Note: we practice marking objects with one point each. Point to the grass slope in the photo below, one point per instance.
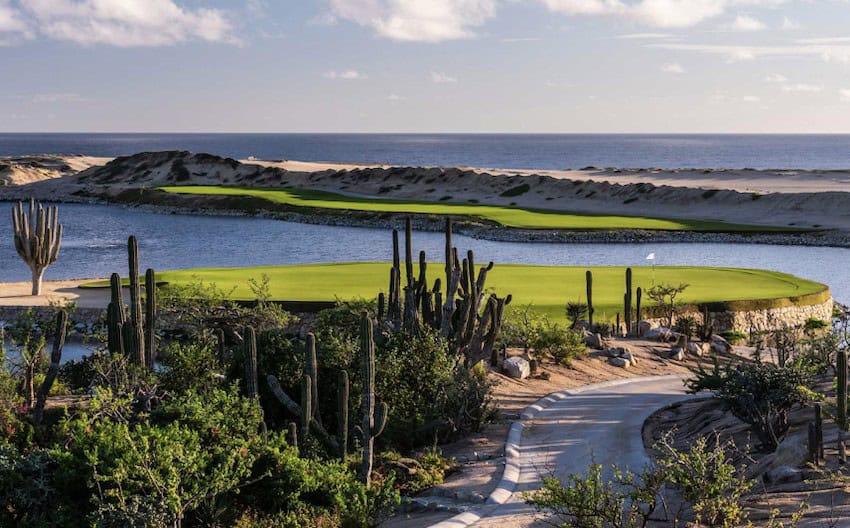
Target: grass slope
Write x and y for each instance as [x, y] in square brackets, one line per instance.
[548, 288]
[506, 216]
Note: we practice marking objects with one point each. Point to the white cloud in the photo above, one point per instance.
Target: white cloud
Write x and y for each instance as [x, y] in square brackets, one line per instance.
[751, 99]
[123, 23]
[346, 75]
[12, 24]
[395, 97]
[659, 13]
[845, 94]
[417, 20]
[58, 98]
[442, 78]
[789, 24]
[737, 53]
[802, 87]
[673, 67]
[747, 23]
[775, 78]
[641, 36]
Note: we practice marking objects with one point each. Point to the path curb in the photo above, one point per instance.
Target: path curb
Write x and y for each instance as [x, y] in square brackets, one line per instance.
[510, 475]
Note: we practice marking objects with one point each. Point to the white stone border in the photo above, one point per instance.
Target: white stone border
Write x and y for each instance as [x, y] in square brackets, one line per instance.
[511, 473]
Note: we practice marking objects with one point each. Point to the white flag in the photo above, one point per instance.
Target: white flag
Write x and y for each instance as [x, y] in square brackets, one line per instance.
[651, 256]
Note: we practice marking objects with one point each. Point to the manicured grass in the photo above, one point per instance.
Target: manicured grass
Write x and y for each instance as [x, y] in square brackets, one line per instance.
[506, 216]
[548, 288]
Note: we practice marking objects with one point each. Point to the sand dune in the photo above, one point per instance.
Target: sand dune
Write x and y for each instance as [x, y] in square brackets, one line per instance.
[787, 198]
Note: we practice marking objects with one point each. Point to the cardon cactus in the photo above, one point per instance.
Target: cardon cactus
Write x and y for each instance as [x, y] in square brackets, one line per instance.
[38, 237]
[627, 301]
[249, 342]
[134, 340]
[150, 317]
[116, 317]
[342, 413]
[311, 368]
[638, 295]
[841, 403]
[372, 425]
[306, 406]
[588, 279]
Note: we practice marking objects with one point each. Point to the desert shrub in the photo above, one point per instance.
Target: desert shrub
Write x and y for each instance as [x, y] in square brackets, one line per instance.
[417, 473]
[762, 395]
[665, 296]
[430, 394]
[813, 324]
[190, 367]
[560, 344]
[576, 311]
[520, 325]
[589, 501]
[734, 336]
[710, 380]
[707, 479]
[686, 325]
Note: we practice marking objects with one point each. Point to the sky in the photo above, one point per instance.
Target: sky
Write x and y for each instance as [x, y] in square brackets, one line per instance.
[585, 66]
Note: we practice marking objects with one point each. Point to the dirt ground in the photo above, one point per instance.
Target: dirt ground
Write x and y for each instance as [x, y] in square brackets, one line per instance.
[19, 294]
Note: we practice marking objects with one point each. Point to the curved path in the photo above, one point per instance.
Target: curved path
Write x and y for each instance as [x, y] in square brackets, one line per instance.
[563, 433]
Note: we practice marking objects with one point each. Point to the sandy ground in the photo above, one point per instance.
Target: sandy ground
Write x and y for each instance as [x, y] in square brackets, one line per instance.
[18, 294]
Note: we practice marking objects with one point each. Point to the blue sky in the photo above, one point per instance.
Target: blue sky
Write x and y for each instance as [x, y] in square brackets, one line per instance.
[425, 65]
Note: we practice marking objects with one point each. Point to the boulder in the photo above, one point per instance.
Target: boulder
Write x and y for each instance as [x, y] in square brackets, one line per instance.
[645, 326]
[698, 349]
[783, 475]
[516, 367]
[594, 341]
[619, 362]
[677, 354]
[630, 357]
[661, 334]
[720, 345]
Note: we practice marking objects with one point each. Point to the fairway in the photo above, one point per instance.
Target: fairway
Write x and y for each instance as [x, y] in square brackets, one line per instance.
[506, 216]
[547, 288]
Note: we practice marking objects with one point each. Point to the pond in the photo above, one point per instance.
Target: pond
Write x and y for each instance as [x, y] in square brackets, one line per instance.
[94, 245]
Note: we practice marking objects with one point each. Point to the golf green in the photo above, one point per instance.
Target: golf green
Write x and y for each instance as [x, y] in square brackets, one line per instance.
[546, 288]
[506, 216]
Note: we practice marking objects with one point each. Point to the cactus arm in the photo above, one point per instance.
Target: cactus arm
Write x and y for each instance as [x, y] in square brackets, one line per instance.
[53, 370]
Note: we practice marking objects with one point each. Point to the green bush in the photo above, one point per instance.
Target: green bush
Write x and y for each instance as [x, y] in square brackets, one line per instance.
[560, 344]
[813, 324]
[734, 336]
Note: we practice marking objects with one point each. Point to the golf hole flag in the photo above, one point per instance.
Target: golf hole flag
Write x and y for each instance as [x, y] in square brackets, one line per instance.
[651, 256]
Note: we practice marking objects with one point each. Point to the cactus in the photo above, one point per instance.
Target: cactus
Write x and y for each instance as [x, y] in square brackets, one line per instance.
[638, 295]
[150, 317]
[311, 369]
[588, 279]
[222, 346]
[306, 405]
[55, 359]
[292, 434]
[38, 236]
[342, 413]
[116, 317]
[841, 403]
[627, 304]
[134, 329]
[249, 340]
[408, 250]
[371, 426]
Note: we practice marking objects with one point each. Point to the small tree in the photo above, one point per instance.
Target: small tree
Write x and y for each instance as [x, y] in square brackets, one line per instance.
[664, 295]
[38, 236]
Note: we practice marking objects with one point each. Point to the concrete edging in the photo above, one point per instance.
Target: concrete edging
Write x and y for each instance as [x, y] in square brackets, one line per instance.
[511, 473]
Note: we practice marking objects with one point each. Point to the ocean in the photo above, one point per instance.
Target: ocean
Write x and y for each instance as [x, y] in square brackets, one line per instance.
[507, 151]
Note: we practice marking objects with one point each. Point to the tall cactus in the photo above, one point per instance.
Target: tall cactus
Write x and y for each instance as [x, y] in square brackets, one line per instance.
[55, 358]
[311, 369]
[841, 402]
[150, 316]
[116, 317]
[588, 279]
[38, 236]
[408, 250]
[627, 301]
[371, 426]
[249, 340]
[342, 413]
[638, 295]
[306, 406]
[134, 339]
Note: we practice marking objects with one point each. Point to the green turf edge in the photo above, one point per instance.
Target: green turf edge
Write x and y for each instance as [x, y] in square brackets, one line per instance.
[740, 305]
[689, 225]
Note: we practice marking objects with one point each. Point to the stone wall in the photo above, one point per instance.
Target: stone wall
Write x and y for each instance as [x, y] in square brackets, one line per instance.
[768, 319]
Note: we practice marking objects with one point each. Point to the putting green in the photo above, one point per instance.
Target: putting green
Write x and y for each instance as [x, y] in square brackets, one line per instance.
[506, 216]
[547, 288]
